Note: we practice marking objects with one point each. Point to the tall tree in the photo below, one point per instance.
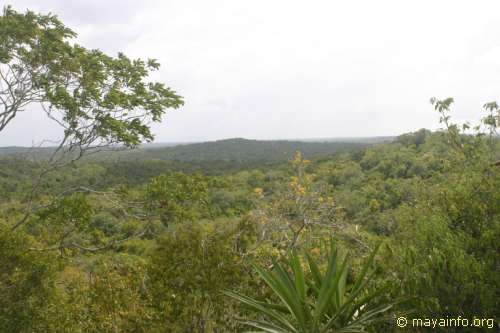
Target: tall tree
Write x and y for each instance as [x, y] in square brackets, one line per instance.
[96, 98]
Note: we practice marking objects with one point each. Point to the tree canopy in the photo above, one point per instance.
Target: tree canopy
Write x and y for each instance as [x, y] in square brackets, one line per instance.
[344, 240]
[98, 99]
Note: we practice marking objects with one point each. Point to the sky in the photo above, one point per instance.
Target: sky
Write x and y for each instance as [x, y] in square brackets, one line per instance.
[283, 69]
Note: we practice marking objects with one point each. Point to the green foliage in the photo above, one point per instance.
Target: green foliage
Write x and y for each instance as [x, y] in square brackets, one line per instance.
[241, 152]
[178, 197]
[434, 205]
[27, 284]
[437, 272]
[145, 241]
[109, 295]
[96, 98]
[188, 270]
[312, 301]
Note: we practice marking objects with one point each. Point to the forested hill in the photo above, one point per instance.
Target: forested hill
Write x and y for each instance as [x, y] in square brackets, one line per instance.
[230, 150]
[239, 150]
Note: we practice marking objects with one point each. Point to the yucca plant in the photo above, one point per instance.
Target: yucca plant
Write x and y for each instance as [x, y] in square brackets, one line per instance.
[312, 302]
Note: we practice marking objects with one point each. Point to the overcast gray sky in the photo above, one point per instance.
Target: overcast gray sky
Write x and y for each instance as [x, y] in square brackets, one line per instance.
[293, 69]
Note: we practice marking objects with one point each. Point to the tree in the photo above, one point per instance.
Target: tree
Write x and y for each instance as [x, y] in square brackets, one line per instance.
[301, 209]
[26, 283]
[177, 197]
[187, 271]
[96, 98]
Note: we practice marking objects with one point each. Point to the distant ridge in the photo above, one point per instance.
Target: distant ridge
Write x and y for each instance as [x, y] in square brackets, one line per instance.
[238, 150]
